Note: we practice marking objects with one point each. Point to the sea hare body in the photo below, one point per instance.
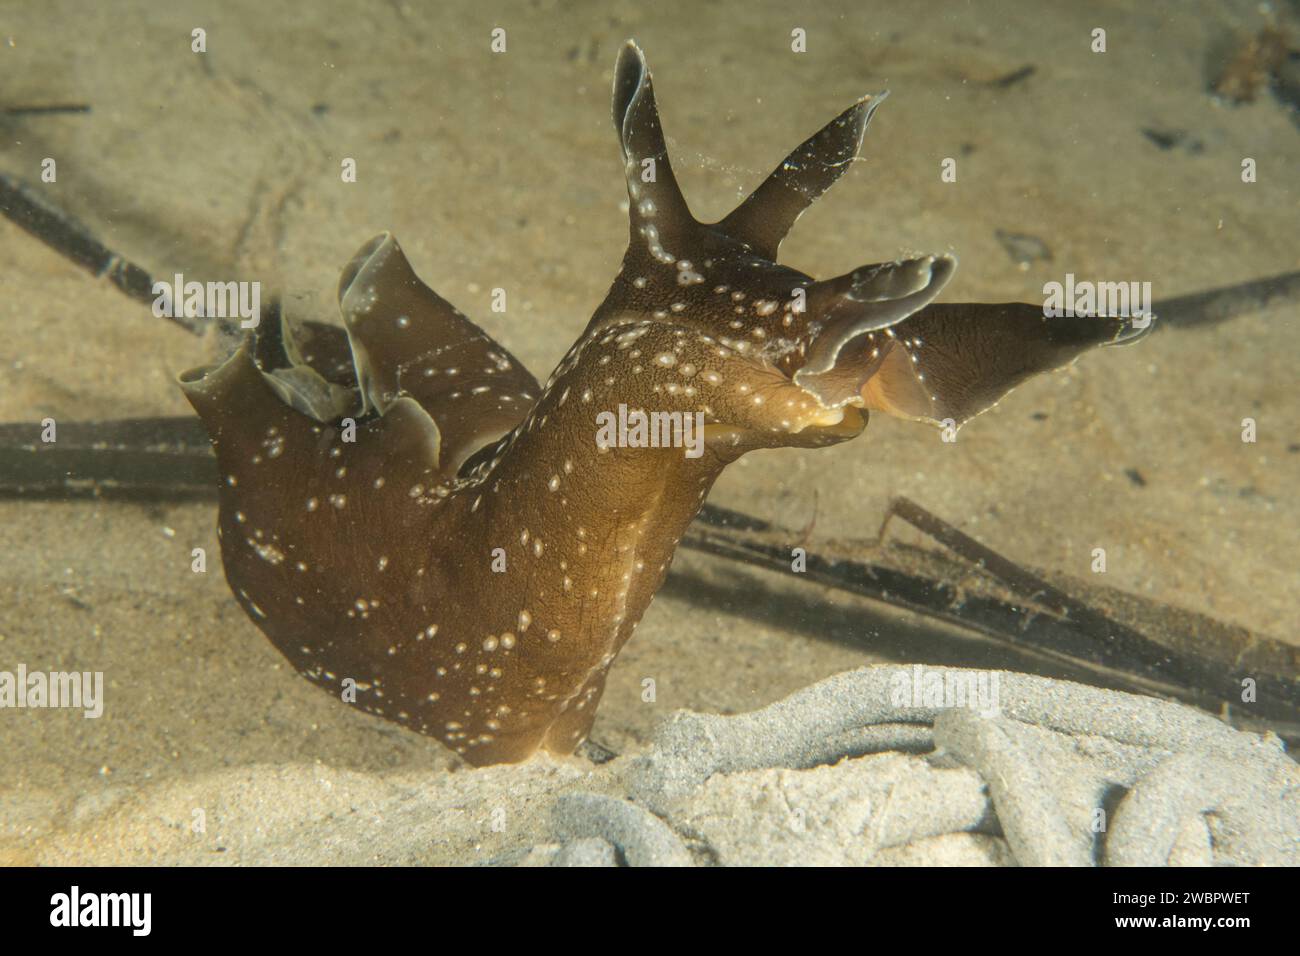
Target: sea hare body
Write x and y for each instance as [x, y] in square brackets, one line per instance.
[421, 528]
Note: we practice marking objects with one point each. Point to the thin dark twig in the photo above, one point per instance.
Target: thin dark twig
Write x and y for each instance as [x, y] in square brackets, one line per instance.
[1045, 620]
[1114, 640]
[27, 208]
[47, 110]
[1227, 302]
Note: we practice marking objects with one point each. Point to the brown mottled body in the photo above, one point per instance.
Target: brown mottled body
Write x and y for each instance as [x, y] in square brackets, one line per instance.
[431, 530]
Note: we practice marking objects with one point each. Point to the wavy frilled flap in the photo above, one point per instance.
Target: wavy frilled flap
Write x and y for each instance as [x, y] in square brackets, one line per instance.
[321, 345]
[254, 420]
[762, 221]
[309, 369]
[849, 318]
[949, 362]
[407, 340]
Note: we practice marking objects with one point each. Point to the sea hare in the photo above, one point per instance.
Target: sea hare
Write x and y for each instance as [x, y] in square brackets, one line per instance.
[423, 530]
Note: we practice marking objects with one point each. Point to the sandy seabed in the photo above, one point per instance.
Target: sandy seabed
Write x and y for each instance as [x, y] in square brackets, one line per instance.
[503, 171]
